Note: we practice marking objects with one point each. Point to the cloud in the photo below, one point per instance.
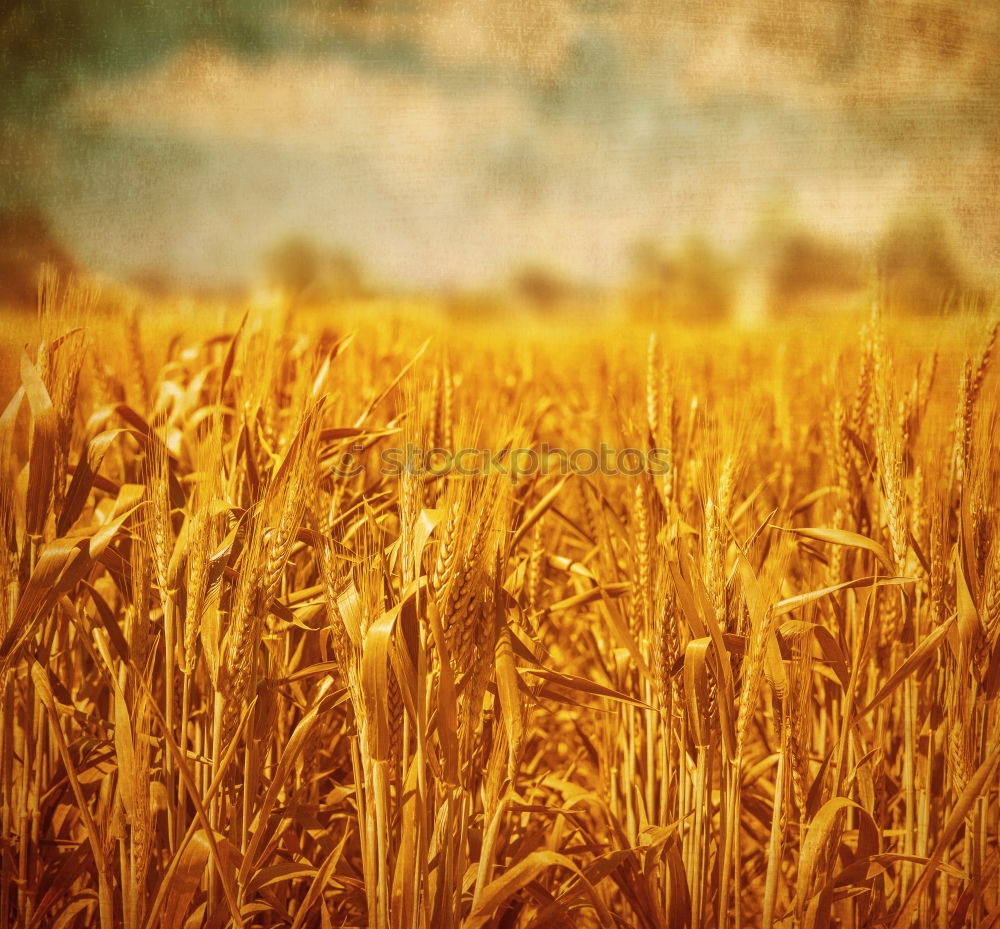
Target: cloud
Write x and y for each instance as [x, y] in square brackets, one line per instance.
[446, 143]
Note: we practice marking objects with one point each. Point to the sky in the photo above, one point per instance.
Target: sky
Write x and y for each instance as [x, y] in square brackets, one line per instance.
[446, 143]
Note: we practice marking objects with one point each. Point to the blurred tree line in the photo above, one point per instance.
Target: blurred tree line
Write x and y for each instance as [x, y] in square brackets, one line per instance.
[787, 270]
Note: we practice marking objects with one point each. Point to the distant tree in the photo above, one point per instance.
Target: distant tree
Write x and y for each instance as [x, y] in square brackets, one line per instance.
[310, 272]
[26, 243]
[920, 266]
[809, 272]
[540, 288]
[293, 265]
[692, 282]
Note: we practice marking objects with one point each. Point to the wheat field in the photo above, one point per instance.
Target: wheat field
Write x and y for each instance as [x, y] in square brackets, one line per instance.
[246, 685]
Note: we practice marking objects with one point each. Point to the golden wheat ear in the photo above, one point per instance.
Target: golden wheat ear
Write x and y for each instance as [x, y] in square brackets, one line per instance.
[238, 687]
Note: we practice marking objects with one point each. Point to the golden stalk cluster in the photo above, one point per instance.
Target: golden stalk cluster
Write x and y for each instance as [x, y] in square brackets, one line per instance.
[241, 688]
